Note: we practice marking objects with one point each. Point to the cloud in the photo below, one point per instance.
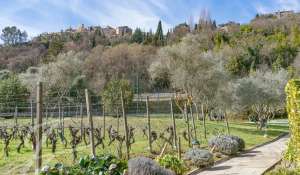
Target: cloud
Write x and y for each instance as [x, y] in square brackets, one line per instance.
[289, 4]
[53, 15]
[277, 5]
[30, 30]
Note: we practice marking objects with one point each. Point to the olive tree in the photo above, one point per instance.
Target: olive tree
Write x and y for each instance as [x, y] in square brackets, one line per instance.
[111, 94]
[192, 69]
[262, 93]
[12, 93]
[65, 76]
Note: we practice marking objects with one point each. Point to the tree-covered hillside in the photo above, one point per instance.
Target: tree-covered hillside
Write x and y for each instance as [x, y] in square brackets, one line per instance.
[230, 67]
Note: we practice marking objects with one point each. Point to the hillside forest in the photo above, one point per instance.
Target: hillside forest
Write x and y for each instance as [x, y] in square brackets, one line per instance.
[236, 68]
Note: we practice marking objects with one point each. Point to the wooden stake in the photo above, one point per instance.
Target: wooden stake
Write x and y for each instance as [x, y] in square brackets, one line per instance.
[59, 116]
[203, 120]
[63, 120]
[197, 111]
[31, 114]
[88, 111]
[227, 123]
[193, 122]
[118, 120]
[104, 121]
[16, 116]
[174, 124]
[81, 120]
[46, 116]
[188, 124]
[149, 124]
[125, 126]
[179, 148]
[38, 129]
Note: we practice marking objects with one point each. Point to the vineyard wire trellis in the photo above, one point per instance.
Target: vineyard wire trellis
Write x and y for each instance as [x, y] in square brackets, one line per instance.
[71, 107]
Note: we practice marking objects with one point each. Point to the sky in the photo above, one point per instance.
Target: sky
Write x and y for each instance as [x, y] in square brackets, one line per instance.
[38, 16]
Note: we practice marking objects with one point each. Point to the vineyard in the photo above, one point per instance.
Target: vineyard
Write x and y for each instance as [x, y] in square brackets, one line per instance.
[84, 126]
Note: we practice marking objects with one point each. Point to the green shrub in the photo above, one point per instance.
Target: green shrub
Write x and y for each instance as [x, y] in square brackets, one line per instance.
[224, 144]
[146, 166]
[240, 141]
[199, 157]
[103, 164]
[283, 171]
[292, 90]
[173, 163]
[111, 94]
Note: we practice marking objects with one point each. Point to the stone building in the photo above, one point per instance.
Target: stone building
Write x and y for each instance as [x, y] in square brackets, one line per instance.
[109, 31]
[123, 30]
[281, 14]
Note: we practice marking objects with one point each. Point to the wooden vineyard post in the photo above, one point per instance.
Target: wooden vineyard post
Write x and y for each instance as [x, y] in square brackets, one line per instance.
[118, 119]
[203, 120]
[88, 111]
[76, 112]
[174, 124]
[63, 120]
[125, 126]
[59, 116]
[69, 111]
[197, 111]
[104, 120]
[81, 120]
[149, 124]
[179, 148]
[31, 114]
[16, 116]
[193, 121]
[188, 124]
[38, 128]
[46, 116]
[227, 123]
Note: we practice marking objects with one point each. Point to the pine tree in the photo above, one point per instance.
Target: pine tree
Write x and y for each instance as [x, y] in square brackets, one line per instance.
[137, 36]
[159, 36]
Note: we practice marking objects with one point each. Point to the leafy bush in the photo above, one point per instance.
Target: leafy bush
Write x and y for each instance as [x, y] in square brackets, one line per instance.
[12, 93]
[173, 163]
[103, 164]
[283, 171]
[224, 144]
[146, 166]
[199, 157]
[111, 94]
[293, 96]
[240, 141]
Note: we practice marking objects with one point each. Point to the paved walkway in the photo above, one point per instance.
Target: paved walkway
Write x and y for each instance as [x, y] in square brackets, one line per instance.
[255, 162]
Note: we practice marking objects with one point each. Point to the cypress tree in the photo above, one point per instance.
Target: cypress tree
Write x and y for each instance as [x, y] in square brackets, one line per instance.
[148, 38]
[159, 35]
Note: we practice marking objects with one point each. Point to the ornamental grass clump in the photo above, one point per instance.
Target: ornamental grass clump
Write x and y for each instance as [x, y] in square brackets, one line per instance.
[224, 144]
[146, 166]
[240, 141]
[199, 157]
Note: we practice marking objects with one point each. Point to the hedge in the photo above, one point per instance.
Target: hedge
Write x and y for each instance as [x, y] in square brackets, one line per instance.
[293, 108]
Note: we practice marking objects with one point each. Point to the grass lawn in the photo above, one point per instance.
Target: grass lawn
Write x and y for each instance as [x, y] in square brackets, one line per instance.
[23, 163]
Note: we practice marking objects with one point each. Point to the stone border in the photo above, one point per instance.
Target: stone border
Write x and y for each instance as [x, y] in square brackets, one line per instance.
[196, 171]
[271, 167]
